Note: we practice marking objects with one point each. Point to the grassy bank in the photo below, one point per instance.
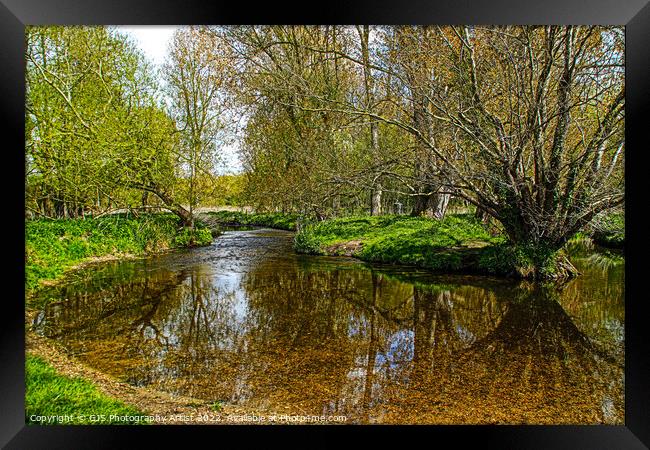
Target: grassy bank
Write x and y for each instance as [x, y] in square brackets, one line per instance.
[70, 401]
[280, 221]
[53, 246]
[453, 244]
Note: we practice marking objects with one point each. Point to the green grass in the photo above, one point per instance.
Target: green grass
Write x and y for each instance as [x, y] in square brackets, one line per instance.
[70, 401]
[429, 243]
[270, 220]
[52, 246]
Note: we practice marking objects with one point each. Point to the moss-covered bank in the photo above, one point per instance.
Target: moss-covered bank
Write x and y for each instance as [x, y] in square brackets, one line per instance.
[452, 244]
[458, 243]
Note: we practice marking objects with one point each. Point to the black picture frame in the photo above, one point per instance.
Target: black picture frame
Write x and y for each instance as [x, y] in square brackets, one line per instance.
[16, 14]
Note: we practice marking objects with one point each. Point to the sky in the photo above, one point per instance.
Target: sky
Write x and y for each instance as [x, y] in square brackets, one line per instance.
[153, 40]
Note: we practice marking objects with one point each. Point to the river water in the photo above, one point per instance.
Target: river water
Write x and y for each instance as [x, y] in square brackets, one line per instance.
[248, 322]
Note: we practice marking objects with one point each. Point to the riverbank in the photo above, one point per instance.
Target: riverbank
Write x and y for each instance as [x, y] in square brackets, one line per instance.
[279, 221]
[55, 399]
[58, 385]
[55, 247]
[458, 243]
[610, 232]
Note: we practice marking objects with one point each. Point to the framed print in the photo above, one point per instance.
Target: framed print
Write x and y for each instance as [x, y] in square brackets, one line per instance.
[366, 217]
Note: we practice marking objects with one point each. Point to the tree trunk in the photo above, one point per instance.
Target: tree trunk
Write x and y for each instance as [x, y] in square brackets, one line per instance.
[537, 257]
[336, 204]
[431, 205]
[375, 204]
[145, 198]
[369, 84]
[186, 216]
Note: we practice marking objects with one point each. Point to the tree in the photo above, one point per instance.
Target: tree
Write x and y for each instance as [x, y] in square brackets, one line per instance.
[540, 112]
[370, 105]
[534, 119]
[96, 134]
[196, 75]
[416, 63]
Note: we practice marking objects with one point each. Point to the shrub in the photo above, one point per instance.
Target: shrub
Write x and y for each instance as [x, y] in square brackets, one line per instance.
[307, 242]
[196, 237]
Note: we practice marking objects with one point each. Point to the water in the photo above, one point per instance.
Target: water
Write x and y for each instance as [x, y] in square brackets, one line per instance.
[247, 322]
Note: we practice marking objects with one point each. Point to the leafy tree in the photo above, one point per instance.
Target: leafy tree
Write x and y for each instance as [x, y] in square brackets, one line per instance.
[196, 74]
[96, 132]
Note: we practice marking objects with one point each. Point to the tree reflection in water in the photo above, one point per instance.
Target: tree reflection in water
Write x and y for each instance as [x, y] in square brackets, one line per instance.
[297, 335]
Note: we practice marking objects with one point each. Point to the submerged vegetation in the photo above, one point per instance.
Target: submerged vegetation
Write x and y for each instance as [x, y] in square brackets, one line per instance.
[70, 401]
[52, 246]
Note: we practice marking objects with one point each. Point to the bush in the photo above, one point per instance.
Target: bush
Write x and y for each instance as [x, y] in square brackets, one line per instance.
[307, 242]
[196, 237]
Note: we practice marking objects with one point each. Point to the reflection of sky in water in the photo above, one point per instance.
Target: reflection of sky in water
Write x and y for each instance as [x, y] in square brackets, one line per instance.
[230, 284]
[464, 334]
[356, 327]
[400, 349]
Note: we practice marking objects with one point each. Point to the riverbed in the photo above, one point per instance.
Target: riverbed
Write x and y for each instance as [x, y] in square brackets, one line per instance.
[247, 322]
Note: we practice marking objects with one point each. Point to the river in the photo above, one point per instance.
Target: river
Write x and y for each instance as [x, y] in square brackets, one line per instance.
[248, 322]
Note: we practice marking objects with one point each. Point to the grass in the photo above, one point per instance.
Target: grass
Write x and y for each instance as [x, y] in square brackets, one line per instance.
[68, 401]
[280, 221]
[53, 246]
[438, 245]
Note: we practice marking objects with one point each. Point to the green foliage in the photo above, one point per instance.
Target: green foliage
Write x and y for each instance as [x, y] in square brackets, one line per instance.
[579, 244]
[525, 261]
[308, 241]
[196, 237]
[610, 231]
[96, 132]
[438, 245]
[228, 190]
[52, 246]
[50, 394]
[271, 220]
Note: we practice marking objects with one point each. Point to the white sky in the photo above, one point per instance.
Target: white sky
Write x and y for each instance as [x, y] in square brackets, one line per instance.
[154, 40]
